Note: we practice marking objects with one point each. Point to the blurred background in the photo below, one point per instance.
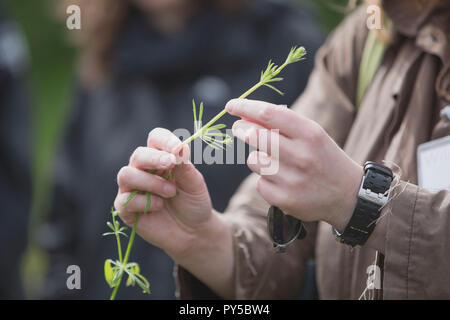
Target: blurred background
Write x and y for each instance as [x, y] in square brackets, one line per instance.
[49, 83]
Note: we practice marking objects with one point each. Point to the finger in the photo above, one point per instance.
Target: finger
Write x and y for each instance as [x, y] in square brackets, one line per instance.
[269, 116]
[272, 169]
[189, 179]
[163, 139]
[268, 141]
[273, 193]
[137, 204]
[260, 163]
[150, 159]
[130, 178]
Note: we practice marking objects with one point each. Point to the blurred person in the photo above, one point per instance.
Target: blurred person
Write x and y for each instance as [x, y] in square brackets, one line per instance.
[15, 184]
[374, 233]
[141, 63]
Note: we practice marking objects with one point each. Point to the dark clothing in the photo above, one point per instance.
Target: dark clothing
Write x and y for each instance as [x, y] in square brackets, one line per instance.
[216, 58]
[15, 185]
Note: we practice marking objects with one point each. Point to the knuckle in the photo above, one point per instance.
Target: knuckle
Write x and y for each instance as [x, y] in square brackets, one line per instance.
[117, 204]
[157, 203]
[154, 133]
[120, 200]
[315, 135]
[266, 114]
[294, 181]
[136, 155]
[305, 163]
[123, 175]
[126, 217]
[301, 159]
[285, 201]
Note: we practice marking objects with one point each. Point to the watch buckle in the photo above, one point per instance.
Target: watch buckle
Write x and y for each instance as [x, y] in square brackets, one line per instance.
[379, 199]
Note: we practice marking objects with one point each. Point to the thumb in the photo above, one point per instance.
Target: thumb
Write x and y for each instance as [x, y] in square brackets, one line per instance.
[187, 177]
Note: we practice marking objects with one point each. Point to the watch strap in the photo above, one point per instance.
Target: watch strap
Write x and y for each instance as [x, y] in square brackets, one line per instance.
[377, 180]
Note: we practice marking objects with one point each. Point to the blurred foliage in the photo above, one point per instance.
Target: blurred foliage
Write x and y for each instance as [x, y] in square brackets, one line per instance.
[49, 83]
[50, 79]
[329, 12]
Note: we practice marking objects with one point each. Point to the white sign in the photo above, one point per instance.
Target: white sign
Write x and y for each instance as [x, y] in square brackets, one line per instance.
[433, 162]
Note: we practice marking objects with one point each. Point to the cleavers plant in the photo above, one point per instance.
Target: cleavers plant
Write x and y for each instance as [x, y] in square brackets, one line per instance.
[115, 270]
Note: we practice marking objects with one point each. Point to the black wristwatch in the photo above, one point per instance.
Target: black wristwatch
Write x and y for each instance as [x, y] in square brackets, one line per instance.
[372, 196]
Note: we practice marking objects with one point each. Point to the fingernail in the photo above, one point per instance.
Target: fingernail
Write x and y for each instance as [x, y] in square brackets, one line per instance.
[166, 160]
[229, 106]
[173, 144]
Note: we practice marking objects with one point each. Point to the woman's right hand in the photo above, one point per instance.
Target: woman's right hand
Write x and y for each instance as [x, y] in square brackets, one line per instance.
[180, 208]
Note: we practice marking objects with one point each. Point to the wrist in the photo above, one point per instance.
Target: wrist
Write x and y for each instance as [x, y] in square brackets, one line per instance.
[372, 196]
[209, 238]
[210, 258]
[345, 208]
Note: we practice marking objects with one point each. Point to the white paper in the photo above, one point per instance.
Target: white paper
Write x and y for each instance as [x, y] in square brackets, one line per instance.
[433, 159]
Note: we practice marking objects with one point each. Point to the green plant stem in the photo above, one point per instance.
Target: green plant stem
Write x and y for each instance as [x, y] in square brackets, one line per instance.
[119, 247]
[127, 255]
[224, 111]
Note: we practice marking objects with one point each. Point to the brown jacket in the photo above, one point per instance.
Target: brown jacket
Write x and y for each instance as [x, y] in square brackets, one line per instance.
[400, 111]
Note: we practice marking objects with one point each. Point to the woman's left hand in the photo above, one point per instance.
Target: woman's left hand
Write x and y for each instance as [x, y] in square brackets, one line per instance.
[303, 171]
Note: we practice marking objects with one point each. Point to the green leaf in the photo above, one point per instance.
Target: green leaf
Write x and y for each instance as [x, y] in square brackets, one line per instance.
[133, 268]
[200, 113]
[121, 233]
[275, 80]
[217, 127]
[111, 226]
[195, 115]
[143, 283]
[215, 134]
[114, 213]
[131, 281]
[273, 88]
[130, 197]
[295, 55]
[214, 145]
[117, 276]
[109, 274]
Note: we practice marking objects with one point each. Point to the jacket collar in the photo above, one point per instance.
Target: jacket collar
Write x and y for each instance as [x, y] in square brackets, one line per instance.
[428, 24]
[407, 17]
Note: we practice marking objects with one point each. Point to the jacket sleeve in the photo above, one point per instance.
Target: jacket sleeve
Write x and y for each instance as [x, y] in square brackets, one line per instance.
[329, 100]
[417, 260]
[259, 272]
